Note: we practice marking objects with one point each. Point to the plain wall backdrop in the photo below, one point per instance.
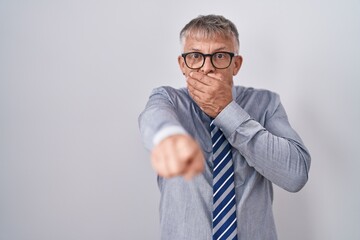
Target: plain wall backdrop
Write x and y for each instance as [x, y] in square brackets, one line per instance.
[75, 75]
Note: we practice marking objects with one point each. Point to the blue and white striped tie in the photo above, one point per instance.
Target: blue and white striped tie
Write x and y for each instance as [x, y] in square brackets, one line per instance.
[224, 204]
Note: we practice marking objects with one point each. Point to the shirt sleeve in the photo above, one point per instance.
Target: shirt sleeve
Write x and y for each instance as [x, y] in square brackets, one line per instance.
[167, 132]
[159, 119]
[275, 150]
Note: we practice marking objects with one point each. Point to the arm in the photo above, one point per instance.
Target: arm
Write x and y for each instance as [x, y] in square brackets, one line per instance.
[275, 150]
[173, 151]
[159, 114]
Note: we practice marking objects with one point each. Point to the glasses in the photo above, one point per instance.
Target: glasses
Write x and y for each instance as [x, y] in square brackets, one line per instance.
[196, 60]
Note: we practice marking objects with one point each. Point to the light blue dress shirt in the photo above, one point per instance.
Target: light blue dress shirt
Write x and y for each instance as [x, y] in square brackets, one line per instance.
[265, 150]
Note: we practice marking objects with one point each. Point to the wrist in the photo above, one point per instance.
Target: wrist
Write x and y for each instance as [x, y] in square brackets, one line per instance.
[167, 132]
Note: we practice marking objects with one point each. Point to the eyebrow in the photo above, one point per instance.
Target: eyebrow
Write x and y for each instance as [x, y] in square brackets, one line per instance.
[216, 50]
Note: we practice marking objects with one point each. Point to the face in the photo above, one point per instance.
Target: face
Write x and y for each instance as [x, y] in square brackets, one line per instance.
[209, 46]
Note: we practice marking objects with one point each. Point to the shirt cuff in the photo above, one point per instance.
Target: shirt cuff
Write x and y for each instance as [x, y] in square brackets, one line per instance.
[167, 132]
[230, 118]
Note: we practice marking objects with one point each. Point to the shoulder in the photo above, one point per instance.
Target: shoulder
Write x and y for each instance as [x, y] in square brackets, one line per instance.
[256, 96]
[170, 92]
[259, 103]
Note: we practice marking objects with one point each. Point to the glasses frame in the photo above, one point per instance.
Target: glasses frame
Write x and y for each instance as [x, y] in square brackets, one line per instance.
[232, 55]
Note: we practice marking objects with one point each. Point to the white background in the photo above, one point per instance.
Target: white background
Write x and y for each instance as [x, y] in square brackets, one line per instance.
[75, 75]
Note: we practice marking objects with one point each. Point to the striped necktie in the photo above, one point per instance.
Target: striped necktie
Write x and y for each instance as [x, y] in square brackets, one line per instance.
[224, 204]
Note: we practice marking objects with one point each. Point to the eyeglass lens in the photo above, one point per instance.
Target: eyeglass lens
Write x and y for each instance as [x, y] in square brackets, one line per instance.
[219, 60]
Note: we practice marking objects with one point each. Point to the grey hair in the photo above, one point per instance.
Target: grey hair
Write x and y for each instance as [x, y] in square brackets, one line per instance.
[210, 26]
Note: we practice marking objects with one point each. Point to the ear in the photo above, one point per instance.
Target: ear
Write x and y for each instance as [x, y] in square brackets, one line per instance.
[237, 64]
[182, 64]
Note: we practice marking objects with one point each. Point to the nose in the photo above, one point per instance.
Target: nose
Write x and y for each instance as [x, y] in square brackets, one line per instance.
[208, 66]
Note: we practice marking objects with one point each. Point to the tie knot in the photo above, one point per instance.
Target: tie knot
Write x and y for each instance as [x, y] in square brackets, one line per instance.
[211, 119]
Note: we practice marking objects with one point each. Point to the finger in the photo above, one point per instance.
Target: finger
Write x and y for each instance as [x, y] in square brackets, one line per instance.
[200, 92]
[197, 97]
[189, 172]
[175, 166]
[201, 97]
[200, 77]
[195, 93]
[214, 76]
[195, 167]
[200, 164]
[207, 79]
[197, 164]
[158, 163]
[197, 75]
[196, 83]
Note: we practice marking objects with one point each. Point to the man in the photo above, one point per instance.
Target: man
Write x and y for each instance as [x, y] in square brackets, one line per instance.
[217, 148]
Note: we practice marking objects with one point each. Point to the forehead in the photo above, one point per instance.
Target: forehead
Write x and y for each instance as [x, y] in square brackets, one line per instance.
[209, 43]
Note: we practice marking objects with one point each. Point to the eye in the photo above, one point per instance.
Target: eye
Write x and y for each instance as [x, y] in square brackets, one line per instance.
[194, 55]
[219, 55]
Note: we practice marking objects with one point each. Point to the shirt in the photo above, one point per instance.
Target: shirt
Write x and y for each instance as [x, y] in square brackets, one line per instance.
[265, 150]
